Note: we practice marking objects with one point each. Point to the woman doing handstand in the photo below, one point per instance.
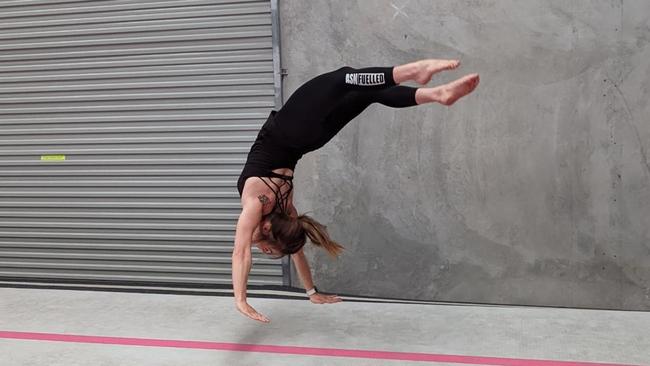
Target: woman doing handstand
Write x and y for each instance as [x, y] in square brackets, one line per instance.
[311, 117]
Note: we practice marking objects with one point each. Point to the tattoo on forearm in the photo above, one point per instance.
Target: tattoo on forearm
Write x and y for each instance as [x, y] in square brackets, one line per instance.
[265, 200]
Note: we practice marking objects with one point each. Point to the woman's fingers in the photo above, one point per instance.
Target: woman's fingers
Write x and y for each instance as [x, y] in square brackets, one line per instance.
[257, 316]
[250, 312]
[324, 299]
[334, 298]
[262, 318]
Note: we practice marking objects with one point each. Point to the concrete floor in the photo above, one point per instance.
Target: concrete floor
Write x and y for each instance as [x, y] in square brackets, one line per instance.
[513, 335]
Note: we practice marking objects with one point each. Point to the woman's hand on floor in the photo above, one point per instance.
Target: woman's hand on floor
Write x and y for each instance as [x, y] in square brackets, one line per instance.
[248, 310]
[319, 298]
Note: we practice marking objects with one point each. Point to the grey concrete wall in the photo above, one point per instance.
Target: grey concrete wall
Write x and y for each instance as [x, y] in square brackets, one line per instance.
[533, 190]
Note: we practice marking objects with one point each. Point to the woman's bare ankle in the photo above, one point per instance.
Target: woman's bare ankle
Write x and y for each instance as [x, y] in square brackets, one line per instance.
[405, 72]
[430, 95]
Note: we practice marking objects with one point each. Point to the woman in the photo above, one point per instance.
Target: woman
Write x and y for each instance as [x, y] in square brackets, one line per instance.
[314, 114]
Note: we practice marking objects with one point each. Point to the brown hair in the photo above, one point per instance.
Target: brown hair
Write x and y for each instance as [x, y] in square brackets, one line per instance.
[291, 233]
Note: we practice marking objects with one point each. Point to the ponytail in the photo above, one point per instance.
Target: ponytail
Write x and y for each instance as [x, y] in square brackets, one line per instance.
[318, 235]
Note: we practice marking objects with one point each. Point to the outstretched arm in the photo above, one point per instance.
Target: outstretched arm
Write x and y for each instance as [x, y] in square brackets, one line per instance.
[304, 272]
[302, 267]
[242, 257]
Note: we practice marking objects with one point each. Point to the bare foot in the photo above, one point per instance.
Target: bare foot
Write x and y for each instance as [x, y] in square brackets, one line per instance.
[449, 93]
[426, 68]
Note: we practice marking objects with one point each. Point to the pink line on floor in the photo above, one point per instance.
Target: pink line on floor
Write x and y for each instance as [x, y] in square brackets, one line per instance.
[293, 350]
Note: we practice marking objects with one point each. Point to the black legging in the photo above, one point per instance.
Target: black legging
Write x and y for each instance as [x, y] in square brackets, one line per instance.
[321, 107]
[315, 113]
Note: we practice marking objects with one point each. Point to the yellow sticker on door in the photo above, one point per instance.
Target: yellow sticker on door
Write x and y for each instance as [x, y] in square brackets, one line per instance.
[52, 157]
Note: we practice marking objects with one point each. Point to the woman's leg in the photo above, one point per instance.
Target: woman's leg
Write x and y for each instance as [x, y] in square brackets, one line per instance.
[356, 102]
[397, 97]
[320, 94]
[318, 109]
[303, 118]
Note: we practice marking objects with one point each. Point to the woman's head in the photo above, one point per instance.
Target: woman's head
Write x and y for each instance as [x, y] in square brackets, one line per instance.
[285, 235]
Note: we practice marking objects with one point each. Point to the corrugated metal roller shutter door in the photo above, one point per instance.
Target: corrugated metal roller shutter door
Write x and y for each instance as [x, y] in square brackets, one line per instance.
[154, 105]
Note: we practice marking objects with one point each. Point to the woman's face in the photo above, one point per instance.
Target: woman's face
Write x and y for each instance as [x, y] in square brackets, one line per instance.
[268, 248]
[265, 241]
